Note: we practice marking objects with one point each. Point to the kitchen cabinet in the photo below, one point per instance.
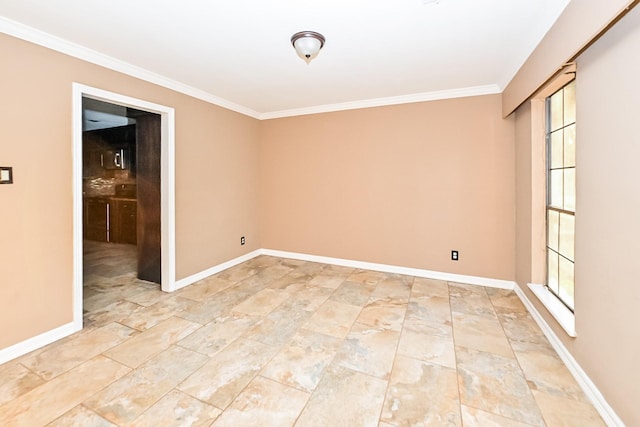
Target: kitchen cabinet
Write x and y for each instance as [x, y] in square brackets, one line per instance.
[110, 219]
[109, 149]
[123, 220]
[95, 219]
[91, 155]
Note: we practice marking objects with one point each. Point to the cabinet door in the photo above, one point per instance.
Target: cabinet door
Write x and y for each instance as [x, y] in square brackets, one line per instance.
[91, 155]
[96, 220]
[124, 222]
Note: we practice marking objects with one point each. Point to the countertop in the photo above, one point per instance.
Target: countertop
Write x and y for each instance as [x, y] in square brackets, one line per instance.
[124, 199]
[118, 198]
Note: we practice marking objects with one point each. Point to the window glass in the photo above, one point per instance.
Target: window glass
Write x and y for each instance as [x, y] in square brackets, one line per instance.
[553, 270]
[569, 151]
[561, 193]
[556, 111]
[557, 149]
[553, 232]
[569, 189]
[569, 104]
[556, 187]
[566, 281]
[566, 234]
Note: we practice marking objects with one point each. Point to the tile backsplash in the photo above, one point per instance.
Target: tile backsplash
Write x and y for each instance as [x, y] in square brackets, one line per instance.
[105, 185]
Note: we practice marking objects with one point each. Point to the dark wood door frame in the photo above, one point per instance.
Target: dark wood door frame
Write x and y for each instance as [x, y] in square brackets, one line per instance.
[148, 177]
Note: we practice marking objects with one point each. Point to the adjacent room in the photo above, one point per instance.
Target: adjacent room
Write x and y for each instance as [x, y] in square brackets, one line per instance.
[365, 213]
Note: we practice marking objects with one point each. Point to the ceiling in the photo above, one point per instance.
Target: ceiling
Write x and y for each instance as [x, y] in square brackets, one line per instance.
[102, 115]
[237, 53]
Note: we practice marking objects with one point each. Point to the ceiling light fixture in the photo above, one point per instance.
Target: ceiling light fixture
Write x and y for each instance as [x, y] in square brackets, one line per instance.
[307, 44]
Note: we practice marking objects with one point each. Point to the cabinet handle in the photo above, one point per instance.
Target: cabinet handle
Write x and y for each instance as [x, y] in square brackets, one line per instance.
[108, 221]
[116, 160]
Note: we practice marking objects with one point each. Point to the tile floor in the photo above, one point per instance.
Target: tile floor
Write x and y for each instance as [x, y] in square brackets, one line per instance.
[279, 342]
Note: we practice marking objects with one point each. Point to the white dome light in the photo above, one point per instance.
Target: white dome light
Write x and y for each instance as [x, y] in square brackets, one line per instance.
[307, 44]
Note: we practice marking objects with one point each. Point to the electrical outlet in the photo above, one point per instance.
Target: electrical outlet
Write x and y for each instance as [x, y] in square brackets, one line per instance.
[242, 240]
[454, 255]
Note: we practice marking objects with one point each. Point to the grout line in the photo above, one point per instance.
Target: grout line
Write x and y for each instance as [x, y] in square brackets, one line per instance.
[395, 355]
[515, 357]
[455, 351]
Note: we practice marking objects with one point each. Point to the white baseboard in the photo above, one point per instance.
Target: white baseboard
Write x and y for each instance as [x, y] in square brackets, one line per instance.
[449, 277]
[34, 343]
[597, 399]
[216, 269]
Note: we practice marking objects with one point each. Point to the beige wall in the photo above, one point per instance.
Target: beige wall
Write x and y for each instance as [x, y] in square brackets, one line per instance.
[400, 185]
[216, 189]
[607, 245]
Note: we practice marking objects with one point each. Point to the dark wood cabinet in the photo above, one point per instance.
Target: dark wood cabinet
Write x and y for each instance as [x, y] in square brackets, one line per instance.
[96, 219]
[123, 221]
[92, 146]
[110, 220]
[109, 149]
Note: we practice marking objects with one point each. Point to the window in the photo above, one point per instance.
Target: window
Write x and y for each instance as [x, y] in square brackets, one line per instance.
[561, 192]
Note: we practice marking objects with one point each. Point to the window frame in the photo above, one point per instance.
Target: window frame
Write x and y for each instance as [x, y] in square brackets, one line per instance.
[539, 259]
[549, 206]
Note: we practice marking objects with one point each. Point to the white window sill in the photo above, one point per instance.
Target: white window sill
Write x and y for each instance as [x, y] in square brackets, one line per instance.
[558, 310]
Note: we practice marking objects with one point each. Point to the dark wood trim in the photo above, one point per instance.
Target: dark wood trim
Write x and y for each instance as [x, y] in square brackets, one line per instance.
[148, 147]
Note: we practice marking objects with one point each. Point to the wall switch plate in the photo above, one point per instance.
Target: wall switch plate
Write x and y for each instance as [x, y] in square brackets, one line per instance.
[454, 255]
[242, 241]
[6, 175]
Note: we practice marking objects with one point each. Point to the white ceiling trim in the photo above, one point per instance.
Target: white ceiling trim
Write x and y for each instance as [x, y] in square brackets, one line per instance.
[66, 47]
[47, 40]
[391, 100]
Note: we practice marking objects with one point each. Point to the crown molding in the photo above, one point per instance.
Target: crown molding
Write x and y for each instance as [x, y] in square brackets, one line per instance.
[391, 100]
[41, 38]
[58, 44]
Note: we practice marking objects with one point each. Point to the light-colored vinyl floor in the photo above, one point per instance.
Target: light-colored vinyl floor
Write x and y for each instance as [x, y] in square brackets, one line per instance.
[279, 342]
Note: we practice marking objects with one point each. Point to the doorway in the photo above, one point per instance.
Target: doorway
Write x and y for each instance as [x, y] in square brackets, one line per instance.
[123, 185]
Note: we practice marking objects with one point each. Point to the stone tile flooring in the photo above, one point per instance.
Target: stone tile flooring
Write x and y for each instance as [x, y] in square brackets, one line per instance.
[280, 342]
